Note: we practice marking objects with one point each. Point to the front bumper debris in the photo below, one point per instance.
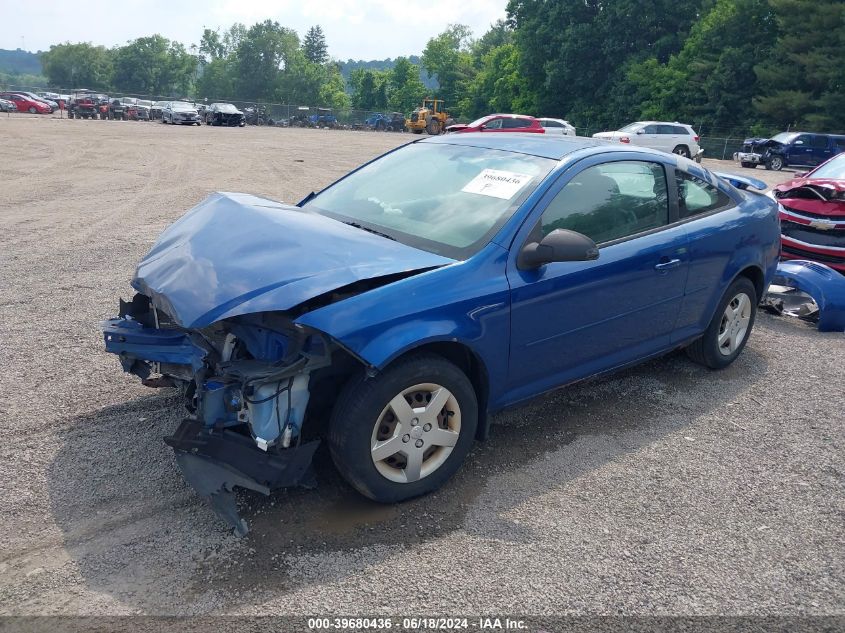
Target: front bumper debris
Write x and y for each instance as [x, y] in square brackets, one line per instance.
[822, 284]
[216, 461]
[748, 157]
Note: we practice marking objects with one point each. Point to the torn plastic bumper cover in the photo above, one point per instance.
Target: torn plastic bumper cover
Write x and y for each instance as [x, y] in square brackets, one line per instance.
[214, 462]
[823, 284]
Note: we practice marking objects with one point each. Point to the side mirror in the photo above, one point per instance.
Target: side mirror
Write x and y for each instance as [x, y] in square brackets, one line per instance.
[561, 245]
[799, 142]
[481, 128]
[800, 174]
[641, 131]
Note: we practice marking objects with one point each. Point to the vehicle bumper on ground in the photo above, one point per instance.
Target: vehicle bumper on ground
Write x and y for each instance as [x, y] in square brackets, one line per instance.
[823, 284]
[748, 157]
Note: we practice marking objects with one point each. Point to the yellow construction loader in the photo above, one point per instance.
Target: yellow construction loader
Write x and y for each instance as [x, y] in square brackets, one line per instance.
[431, 117]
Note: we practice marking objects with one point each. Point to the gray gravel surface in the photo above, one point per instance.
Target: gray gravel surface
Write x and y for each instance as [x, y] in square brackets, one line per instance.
[666, 489]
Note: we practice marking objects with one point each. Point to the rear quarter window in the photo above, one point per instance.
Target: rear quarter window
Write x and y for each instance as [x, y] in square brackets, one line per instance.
[696, 197]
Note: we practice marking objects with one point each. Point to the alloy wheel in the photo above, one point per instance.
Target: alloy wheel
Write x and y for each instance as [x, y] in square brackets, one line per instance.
[415, 433]
[733, 327]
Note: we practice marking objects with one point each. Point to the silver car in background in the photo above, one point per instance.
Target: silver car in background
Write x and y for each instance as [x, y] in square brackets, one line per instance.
[675, 138]
[557, 126]
[181, 113]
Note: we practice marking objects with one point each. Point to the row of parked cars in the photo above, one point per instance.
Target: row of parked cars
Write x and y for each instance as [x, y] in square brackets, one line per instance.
[27, 102]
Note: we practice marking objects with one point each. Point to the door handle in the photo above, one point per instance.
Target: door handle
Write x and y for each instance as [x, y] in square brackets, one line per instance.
[667, 265]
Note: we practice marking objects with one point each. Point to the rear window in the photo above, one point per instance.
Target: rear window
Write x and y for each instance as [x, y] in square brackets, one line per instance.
[696, 197]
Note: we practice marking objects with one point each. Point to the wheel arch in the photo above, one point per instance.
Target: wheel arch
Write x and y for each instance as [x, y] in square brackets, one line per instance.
[755, 275]
[463, 357]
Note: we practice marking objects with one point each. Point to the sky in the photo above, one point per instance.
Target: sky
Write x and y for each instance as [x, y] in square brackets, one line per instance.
[355, 29]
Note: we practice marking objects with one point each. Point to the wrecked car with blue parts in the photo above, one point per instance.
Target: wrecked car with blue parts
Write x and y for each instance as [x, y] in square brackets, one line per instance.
[392, 313]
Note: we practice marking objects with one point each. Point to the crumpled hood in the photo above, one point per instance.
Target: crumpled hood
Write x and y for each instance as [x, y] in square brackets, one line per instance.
[820, 196]
[237, 254]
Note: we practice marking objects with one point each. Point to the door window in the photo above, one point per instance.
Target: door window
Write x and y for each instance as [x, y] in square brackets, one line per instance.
[611, 201]
[550, 124]
[510, 124]
[804, 139]
[495, 124]
[819, 142]
[696, 196]
[650, 129]
[666, 129]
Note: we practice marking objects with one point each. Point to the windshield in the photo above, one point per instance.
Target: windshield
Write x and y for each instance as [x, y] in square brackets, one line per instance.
[784, 137]
[445, 199]
[225, 107]
[180, 106]
[478, 122]
[631, 127]
[833, 169]
[161, 104]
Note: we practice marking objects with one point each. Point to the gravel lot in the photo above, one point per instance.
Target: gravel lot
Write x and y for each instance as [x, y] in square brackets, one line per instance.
[666, 489]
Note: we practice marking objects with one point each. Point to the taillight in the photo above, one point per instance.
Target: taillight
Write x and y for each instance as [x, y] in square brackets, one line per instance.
[624, 139]
[695, 138]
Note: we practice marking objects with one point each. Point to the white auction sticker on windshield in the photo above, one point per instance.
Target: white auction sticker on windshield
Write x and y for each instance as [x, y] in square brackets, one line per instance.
[497, 184]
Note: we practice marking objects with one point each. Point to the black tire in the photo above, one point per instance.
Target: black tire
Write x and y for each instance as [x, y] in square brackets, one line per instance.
[682, 150]
[433, 127]
[749, 165]
[775, 163]
[32, 110]
[417, 131]
[705, 351]
[357, 412]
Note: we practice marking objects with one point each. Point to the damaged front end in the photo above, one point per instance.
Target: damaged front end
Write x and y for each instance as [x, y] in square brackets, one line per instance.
[246, 386]
[761, 151]
[812, 218]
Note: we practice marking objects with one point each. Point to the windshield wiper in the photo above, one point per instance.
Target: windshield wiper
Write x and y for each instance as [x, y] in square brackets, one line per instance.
[369, 230]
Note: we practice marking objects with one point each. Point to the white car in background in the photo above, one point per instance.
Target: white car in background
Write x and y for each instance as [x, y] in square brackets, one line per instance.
[557, 126]
[676, 138]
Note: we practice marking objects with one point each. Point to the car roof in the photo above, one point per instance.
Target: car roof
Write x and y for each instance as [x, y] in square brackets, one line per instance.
[552, 146]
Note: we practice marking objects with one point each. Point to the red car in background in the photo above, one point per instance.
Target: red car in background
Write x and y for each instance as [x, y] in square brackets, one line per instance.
[501, 123]
[812, 215]
[25, 104]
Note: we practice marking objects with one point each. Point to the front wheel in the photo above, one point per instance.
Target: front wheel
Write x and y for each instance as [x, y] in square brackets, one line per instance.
[775, 163]
[730, 328]
[749, 165]
[406, 431]
[32, 110]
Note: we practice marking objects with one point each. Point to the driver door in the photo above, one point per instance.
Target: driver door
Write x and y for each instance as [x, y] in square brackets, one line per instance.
[570, 320]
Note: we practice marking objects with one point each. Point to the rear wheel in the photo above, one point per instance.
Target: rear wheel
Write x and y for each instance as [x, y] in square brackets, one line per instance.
[682, 150]
[405, 432]
[730, 328]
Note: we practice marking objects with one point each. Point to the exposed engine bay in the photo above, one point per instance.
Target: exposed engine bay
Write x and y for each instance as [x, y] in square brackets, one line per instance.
[246, 387]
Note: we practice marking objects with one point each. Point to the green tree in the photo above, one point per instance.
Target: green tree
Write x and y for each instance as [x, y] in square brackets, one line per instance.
[573, 54]
[803, 80]
[448, 57]
[81, 65]
[406, 89]
[712, 80]
[211, 45]
[262, 52]
[369, 89]
[314, 46]
[154, 66]
[499, 86]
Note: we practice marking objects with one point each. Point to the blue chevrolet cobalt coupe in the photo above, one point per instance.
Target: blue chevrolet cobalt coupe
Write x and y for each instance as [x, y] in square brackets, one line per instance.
[391, 313]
